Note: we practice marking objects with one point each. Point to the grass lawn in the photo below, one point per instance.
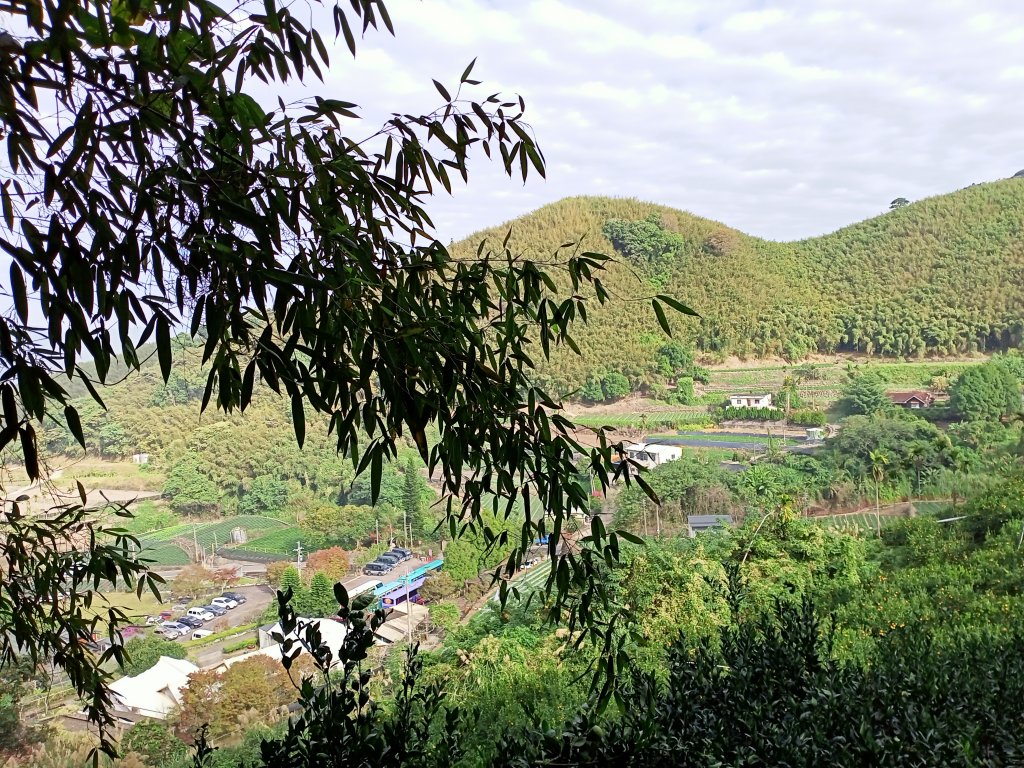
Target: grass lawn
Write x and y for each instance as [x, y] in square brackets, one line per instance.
[136, 608]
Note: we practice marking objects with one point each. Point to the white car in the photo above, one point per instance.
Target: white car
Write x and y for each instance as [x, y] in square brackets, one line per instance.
[200, 613]
[224, 602]
[172, 630]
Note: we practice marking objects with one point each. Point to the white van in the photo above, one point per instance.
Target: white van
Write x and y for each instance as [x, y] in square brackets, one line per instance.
[199, 634]
[200, 613]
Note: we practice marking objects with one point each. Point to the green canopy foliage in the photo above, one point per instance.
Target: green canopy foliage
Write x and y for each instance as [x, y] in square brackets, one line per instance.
[988, 391]
[144, 652]
[865, 394]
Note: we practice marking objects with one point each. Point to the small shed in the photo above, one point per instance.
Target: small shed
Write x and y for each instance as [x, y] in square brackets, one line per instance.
[651, 455]
[700, 523]
[815, 434]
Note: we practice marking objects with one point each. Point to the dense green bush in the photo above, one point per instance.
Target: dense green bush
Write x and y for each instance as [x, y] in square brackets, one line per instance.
[746, 413]
[803, 418]
[768, 690]
[807, 418]
[771, 693]
[144, 652]
[988, 391]
[247, 642]
[865, 395]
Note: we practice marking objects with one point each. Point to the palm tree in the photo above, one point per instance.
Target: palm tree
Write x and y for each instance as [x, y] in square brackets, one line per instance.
[879, 461]
[918, 457]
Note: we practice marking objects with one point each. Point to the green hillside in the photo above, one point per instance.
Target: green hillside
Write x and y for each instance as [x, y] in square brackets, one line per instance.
[942, 276]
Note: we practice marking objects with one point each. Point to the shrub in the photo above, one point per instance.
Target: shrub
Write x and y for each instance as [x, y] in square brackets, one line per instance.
[247, 642]
[806, 418]
[731, 413]
[445, 615]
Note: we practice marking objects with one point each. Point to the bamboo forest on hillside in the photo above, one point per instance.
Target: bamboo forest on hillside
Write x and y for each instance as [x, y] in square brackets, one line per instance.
[287, 482]
[938, 277]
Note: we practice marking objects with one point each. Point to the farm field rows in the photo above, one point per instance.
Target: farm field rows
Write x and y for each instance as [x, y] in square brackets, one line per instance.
[172, 546]
[830, 377]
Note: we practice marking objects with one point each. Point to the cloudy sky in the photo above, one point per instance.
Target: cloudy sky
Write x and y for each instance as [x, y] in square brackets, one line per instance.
[785, 119]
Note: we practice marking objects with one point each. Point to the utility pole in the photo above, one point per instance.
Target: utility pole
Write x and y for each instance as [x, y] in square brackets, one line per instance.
[657, 517]
[200, 553]
[213, 550]
[408, 612]
[644, 502]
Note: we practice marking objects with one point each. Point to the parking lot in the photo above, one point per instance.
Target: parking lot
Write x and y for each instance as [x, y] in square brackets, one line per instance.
[257, 598]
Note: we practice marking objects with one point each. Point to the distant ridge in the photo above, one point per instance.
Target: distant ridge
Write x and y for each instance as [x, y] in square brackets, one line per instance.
[940, 276]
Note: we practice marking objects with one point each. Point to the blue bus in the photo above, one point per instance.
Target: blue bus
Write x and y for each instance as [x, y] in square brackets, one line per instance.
[402, 589]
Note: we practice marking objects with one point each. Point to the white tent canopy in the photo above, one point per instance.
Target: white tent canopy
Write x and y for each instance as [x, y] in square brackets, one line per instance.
[155, 692]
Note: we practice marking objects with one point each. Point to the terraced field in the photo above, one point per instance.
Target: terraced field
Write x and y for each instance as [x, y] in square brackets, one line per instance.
[279, 542]
[175, 545]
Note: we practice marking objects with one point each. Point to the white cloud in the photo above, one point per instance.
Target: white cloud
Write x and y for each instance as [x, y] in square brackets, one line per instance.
[754, 21]
[784, 121]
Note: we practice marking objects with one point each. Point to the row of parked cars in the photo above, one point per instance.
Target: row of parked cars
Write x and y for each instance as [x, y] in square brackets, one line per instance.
[194, 618]
[387, 562]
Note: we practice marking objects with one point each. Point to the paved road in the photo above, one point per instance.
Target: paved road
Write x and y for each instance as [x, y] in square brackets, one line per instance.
[400, 570]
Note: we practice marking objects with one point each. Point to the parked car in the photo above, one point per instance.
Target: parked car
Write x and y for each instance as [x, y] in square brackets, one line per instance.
[199, 634]
[200, 613]
[191, 622]
[389, 557]
[237, 597]
[378, 568]
[216, 610]
[151, 620]
[225, 602]
[403, 554]
[172, 629]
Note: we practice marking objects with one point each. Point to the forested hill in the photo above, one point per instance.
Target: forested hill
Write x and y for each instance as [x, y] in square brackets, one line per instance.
[941, 276]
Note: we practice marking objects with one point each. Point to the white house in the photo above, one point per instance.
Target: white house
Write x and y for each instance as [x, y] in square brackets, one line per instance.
[155, 692]
[651, 455]
[751, 400]
[331, 632]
